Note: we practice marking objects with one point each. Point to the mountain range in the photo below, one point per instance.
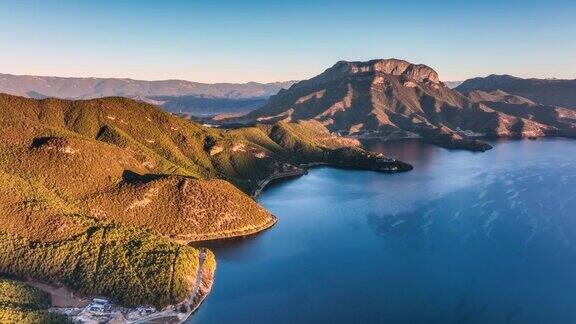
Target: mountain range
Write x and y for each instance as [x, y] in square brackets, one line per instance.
[380, 98]
[393, 98]
[175, 95]
[104, 195]
[551, 92]
[452, 84]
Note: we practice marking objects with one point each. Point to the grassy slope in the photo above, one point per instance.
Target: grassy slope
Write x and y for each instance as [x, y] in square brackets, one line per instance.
[117, 159]
[132, 266]
[43, 236]
[95, 193]
[20, 303]
[159, 142]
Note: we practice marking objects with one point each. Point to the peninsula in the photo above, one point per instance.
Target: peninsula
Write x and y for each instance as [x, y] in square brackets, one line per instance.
[103, 195]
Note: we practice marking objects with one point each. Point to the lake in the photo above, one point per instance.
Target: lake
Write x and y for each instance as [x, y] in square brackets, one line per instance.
[463, 238]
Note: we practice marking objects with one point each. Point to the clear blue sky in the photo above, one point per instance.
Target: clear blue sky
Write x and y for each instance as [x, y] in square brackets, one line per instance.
[238, 41]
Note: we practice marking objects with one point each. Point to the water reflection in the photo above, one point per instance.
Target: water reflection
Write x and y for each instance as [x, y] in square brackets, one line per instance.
[232, 249]
[408, 150]
[520, 209]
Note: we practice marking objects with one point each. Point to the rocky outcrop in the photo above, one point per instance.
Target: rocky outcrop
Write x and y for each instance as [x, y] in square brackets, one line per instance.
[417, 72]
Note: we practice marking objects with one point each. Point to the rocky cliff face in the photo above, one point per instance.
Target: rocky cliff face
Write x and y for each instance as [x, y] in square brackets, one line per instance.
[420, 73]
[395, 98]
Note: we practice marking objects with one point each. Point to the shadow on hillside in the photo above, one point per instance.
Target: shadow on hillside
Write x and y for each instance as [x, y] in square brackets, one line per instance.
[41, 141]
[133, 177]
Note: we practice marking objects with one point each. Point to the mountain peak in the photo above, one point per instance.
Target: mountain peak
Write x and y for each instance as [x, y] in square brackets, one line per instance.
[394, 98]
[417, 72]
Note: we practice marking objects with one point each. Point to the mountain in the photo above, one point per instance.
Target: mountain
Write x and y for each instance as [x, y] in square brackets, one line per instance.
[103, 195]
[452, 84]
[394, 98]
[88, 88]
[175, 95]
[551, 92]
[200, 106]
[561, 119]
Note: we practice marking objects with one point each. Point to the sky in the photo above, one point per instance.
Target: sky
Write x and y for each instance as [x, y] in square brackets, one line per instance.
[266, 41]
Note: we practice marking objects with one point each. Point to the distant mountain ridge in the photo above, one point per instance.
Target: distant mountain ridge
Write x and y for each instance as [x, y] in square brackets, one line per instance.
[40, 87]
[390, 98]
[174, 95]
[552, 92]
[452, 84]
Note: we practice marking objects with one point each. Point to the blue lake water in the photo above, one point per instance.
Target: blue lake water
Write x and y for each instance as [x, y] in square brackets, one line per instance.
[463, 238]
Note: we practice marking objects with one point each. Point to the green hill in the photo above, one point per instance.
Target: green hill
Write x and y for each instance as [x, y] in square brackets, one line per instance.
[132, 266]
[99, 194]
[20, 303]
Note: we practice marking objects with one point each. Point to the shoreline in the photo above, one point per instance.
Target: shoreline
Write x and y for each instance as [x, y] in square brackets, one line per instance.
[202, 288]
[471, 142]
[73, 306]
[190, 303]
[277, 176]
[218, 237]
[304, 167]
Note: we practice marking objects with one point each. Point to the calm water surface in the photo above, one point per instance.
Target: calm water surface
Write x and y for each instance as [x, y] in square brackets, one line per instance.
[463, 238]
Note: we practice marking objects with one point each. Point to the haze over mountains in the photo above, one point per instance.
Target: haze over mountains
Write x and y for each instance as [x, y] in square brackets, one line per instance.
[175, 95]
[394, 98]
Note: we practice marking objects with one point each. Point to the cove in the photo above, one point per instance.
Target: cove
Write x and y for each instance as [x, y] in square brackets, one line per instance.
[464, 237]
